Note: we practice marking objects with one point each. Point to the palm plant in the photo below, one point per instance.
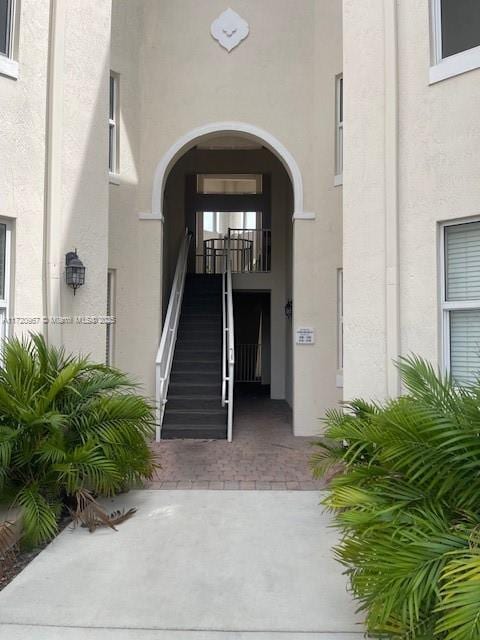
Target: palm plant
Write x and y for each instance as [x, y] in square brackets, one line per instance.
[68, 427]
[406, 499]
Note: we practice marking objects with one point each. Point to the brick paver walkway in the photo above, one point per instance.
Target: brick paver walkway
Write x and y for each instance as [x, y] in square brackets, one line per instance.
[263, 455]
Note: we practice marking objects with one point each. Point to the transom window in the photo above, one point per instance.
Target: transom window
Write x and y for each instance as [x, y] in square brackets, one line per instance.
[234, 184]
[461, 300]
[455, 37]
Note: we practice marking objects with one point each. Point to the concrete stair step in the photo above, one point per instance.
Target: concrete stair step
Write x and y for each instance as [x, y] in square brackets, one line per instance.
[189, 377]
[194, 389]
[199, 432]
[197, 367]
[194, 417]
[197, 358]
[189, 403]
[199, 333]
[192, 339]
[199, 353]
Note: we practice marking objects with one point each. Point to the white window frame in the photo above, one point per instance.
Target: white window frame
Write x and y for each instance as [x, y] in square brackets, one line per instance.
[9, 66]
[339, 378]
[114, 167]
[442, 68]
[447, 306]
[338, 180]
[5, 301]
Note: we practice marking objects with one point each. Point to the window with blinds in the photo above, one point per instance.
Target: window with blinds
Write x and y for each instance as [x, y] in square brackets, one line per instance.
[461, 304]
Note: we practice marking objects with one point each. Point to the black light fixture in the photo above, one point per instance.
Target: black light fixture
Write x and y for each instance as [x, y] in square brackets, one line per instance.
[289, 309]
[74, 270]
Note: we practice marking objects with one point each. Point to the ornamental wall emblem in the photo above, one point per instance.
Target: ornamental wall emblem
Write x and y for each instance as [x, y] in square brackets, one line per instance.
[229, 29]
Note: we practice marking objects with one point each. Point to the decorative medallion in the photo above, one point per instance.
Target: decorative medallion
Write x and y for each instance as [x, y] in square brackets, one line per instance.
[229, 29]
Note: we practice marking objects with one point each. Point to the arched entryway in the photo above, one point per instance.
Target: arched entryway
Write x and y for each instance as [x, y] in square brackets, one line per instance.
[226, 181]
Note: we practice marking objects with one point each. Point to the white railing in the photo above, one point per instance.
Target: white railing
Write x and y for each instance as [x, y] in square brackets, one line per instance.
[248, 362]
[228, 343]
[166, 349]
[250, 252]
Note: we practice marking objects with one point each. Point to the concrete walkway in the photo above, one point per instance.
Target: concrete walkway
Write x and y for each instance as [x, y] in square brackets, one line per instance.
[191, 565]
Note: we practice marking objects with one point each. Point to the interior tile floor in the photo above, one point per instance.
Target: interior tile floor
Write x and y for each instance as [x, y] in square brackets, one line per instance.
[264, 454]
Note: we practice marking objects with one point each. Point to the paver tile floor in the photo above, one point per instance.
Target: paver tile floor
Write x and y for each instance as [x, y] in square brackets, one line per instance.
[264, 454]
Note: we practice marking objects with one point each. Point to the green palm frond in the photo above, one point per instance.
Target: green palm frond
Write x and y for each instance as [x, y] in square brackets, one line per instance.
[67, 425]
[39, 517]
[459, 605]
[405, 500]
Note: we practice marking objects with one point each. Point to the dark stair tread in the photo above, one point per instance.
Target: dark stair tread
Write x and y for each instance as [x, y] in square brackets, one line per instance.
[194, 431]
[193, 408]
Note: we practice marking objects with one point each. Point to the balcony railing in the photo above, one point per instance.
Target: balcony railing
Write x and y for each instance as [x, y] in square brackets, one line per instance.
[250, 252]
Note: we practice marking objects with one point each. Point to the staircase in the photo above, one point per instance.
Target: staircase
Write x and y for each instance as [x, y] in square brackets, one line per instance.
[194, 402]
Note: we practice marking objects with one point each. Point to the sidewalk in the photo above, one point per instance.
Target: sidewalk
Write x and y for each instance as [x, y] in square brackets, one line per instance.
[193, 565]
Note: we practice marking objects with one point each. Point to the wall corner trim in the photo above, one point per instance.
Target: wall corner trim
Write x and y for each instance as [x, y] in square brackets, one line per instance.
[392, 243]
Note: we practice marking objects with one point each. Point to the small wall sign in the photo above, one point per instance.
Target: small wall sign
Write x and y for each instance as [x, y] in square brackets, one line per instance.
[305, 335]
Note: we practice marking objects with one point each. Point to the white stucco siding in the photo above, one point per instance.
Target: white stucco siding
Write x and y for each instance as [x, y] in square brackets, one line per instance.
[439, 169]
[364, 199]
[22, 157]
[126, 234]
[85, 166]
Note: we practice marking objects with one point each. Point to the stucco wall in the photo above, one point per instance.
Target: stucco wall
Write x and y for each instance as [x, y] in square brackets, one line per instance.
[22, 157]
[437, 180]
[125, 246]
[280, 79]
[84, 166]
[78, 83]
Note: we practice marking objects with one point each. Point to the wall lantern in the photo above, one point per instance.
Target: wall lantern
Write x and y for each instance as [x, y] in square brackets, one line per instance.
[74, 270]
[289, 309]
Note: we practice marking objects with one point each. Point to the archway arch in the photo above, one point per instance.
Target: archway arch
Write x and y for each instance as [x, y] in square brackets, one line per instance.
[193, 137]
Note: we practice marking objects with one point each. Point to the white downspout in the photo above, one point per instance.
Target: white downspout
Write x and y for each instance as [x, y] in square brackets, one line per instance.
[53, 264]
[392, 266]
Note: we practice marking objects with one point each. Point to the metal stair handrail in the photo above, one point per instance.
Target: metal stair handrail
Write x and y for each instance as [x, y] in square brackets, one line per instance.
[166, 349]
[228, 342]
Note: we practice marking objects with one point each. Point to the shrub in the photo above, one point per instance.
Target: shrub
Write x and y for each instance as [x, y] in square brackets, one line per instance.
[406, 498]
[67, 427]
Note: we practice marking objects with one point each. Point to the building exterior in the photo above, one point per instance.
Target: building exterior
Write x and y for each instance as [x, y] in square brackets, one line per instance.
[123, 122]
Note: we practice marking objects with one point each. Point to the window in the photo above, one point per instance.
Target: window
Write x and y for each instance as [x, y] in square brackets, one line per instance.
[110, 326]
[5, 258]
[339, 327]
[455, 37]
[113, 164]
[238, 184]
[6, 27]
[339, 131]
[8, 66]
[461, 300]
